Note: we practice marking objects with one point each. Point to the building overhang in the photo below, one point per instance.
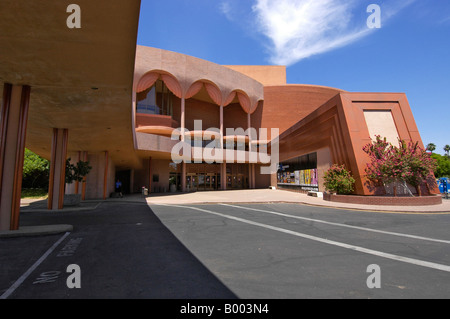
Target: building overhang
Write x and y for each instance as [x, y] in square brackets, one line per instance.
[81, 78]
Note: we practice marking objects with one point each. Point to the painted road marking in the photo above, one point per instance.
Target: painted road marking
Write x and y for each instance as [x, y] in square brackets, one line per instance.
[343, 225]
[325, 241]
[22, 278]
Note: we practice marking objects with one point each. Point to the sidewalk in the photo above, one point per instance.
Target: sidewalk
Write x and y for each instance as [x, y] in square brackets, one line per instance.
[281, 196]
[236, 196]
[215, 197]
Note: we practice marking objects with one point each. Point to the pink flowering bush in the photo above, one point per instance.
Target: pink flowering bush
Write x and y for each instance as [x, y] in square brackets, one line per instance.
[338, 179]
[408, 163]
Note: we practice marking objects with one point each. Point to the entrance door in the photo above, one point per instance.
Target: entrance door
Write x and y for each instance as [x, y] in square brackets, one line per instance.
[124, 177]
[240, 181]
[210, 182]
[192, 182]
[201, 182]
[229, 181]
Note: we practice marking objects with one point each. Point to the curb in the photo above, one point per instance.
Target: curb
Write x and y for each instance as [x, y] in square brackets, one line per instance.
[391, 210]
[36, 231]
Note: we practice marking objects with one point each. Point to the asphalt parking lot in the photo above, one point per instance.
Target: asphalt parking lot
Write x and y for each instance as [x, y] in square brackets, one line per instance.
[229, 251]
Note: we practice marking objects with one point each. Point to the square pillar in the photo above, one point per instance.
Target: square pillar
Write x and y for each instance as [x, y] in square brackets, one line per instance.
[13, 125]
[57, 169]
[84, 157]
[105, 176]
[223, 177]
[150, 179]
[183, 176]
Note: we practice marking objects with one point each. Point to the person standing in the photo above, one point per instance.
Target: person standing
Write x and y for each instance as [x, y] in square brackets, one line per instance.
[119, 188]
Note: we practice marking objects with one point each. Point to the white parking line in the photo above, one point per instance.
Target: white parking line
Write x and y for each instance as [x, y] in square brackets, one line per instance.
[325, 241]
[22, 278]
[343, 225]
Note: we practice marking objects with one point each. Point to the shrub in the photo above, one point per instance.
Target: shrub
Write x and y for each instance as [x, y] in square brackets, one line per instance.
[408, 163]
[76, 172]
[339, 180]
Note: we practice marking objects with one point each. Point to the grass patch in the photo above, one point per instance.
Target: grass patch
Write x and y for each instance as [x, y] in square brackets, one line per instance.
[34, 193]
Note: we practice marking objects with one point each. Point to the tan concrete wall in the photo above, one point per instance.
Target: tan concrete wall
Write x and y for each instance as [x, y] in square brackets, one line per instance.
[381, 122]
[208, 113]
[261, 180]
[286, 105]
[159, 167]
[95, 178]
[324, 162]
[265, 74]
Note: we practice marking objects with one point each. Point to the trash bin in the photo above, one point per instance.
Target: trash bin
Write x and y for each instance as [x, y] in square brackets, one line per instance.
[145, 191]
[443, 185]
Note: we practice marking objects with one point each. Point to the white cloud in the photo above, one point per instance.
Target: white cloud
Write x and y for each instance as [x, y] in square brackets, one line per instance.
[391, 8]
[226, 9]
[299, 29]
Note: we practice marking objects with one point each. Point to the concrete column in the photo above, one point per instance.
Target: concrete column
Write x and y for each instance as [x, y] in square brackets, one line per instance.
[221, 125]
[84, 157]
[254, 175]
[250, 165]
[132, 182]
[223, 165]
[223, 178]
[183, 117]
[183, 126]
[57, 169]
[13, 125]
[183, 176]
[105, 176]
[149, 175]
[77, 183]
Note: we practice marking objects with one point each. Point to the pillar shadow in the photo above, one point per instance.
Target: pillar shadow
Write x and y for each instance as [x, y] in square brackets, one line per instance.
[126, 252]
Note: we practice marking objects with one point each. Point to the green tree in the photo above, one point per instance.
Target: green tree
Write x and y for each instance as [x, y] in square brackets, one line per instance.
[431, 147]
[443, 165]
[447, 149]
[35, 171]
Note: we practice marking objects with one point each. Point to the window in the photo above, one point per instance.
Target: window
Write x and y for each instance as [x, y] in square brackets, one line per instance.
[299, 172]
[157, 99]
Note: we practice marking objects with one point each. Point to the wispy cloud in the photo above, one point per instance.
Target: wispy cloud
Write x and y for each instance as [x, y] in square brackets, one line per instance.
[226, 8]
[301, 28]
[445, 20]
[298, 29]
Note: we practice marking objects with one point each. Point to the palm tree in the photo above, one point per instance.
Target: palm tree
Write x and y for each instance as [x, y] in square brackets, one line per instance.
[431, 147]
[447, 149]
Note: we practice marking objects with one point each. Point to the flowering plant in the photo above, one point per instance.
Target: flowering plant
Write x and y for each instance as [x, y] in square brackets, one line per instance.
[408, 163]
[338, 179]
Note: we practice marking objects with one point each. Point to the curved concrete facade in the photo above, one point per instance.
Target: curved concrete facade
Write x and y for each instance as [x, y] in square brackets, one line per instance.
[75, 94]
[185, 75]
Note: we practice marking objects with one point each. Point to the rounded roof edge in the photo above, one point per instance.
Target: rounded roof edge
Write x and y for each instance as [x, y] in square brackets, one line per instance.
[310, 86]
[188, 69]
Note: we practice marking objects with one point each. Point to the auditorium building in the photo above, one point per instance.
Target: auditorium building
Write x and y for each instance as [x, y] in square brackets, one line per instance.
[164, 121]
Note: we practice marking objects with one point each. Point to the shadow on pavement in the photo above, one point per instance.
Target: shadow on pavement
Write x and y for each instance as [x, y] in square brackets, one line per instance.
[124, 252]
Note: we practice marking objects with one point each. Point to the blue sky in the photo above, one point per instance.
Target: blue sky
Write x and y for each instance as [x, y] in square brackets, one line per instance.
[322, 42]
